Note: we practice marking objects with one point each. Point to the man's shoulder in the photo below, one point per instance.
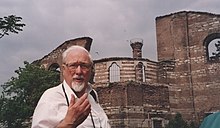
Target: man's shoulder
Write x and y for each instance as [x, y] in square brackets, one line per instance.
[53, 92]
[55, 88]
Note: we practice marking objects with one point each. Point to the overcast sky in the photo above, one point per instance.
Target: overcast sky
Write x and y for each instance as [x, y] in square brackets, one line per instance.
[110, 23]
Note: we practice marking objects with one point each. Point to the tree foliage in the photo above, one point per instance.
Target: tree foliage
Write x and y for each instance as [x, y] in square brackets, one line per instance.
[217, 53]
[11, 24]
[178, 122]
[21, 94]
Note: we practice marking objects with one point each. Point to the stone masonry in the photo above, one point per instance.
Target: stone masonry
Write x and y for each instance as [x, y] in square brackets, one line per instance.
[194, 80]
[135, 105]
[139, 93]
[53, 61]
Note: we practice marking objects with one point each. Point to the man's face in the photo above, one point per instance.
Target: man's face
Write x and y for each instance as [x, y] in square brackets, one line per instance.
[77, 70]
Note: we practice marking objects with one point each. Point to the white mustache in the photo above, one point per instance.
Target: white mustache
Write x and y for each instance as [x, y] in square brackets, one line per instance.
[78, 77]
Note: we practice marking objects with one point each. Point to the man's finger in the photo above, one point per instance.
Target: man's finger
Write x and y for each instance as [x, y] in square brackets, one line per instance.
[72, 100]
[86, 105]
[82, 99]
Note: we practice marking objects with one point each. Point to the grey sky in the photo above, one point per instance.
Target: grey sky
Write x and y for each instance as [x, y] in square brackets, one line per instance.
[111, 24]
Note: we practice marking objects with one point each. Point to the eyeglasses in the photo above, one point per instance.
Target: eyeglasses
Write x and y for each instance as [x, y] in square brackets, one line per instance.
[83, 66]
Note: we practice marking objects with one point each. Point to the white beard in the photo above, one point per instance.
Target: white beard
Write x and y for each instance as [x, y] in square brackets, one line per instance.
[78, 87]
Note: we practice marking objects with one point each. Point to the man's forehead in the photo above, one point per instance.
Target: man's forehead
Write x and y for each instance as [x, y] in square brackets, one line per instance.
[77, 57]
[77, 52]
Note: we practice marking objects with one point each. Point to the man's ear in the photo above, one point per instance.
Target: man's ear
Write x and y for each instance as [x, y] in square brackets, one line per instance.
[92, 74]
[63, 66]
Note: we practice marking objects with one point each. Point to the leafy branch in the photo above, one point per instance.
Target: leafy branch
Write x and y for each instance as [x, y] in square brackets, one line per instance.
[10, 24]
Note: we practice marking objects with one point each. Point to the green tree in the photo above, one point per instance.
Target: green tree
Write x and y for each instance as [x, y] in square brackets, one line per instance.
[217, 53]
[178, 122]
[193, 125]
[10, 24]
[21, 94]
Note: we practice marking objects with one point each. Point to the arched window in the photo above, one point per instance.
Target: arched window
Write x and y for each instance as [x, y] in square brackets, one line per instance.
[140, 72]
[214, 49]
[114, 73]
[212, 45]
[54, 67]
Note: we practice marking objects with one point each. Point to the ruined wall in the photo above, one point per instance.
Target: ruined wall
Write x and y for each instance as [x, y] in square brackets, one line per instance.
[53, 60]
[193, 80]
[55, 57]
[131, 104]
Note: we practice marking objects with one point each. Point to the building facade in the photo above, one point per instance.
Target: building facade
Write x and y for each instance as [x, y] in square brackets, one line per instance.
[186, 39]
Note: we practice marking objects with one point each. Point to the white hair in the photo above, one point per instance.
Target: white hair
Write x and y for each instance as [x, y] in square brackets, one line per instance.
[73, 48]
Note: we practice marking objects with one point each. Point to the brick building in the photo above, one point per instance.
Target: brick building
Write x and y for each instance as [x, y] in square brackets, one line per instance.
[185, 38]
[138, 92]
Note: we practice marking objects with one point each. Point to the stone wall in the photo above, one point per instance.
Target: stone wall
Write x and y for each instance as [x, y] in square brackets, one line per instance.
[132, 104]
[127, 69]
[53, 61]
[194, 80]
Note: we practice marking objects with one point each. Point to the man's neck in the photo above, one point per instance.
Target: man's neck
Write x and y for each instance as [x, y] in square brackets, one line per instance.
[79, 94]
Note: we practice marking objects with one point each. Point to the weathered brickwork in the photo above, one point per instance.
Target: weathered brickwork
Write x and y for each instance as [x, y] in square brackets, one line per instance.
[127, 69]
[146, 93]
[194, 81]
[53, 61]
[132, 104]
[55, 57]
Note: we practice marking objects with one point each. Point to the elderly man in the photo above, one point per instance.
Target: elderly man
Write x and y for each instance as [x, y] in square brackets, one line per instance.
[73, 103]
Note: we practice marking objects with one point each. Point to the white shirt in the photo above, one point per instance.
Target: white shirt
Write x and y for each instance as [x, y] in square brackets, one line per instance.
[52, 108]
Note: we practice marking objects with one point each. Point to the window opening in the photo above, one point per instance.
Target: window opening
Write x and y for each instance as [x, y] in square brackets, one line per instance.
[140, 72]
[214, 50]
[157, 123]
[114, 72]
[212, 47]
[54, 67]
